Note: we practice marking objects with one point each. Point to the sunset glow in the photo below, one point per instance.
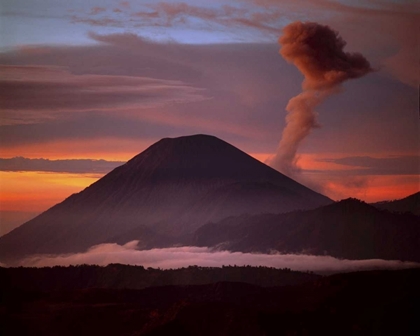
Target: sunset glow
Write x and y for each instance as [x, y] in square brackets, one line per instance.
[37, 191]
[113, 79]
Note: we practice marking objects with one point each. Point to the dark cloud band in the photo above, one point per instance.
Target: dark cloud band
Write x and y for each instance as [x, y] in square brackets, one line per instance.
[366, 165]
[58, 166]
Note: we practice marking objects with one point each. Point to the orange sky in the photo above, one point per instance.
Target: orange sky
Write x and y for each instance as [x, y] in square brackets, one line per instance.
[37, 191]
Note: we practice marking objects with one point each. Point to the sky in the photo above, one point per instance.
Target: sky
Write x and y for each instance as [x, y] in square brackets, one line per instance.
[86, 85]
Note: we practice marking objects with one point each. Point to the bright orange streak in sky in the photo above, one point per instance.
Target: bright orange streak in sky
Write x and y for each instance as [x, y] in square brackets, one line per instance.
[376, 188]
[37, 191]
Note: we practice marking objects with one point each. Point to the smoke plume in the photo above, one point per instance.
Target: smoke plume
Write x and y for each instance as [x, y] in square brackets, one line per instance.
[317, 51]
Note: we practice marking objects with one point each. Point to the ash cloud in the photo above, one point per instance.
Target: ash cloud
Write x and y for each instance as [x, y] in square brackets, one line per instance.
[317, 51]
[177, 257]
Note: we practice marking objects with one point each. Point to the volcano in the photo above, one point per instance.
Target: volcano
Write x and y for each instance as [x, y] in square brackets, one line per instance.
[170, 189]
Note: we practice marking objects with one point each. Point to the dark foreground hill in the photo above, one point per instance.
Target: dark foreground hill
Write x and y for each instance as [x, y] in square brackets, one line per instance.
[408, 204]
[118, 276]
[361, 303]
[172, 188]
[349, 229]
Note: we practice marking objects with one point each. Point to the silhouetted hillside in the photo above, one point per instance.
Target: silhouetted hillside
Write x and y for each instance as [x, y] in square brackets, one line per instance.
[348, 229]
[408, 204]
[362, 303]
[119, 276]
[172, 188]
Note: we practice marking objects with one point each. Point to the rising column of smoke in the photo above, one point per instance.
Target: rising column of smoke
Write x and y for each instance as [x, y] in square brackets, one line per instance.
[317, 51]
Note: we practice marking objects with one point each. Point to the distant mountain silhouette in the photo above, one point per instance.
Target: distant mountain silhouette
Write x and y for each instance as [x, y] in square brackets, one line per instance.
[348, 229]
[170, 189]
[408, 204]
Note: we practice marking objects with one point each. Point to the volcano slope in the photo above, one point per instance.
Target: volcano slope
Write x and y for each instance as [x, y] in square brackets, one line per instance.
[168, 190]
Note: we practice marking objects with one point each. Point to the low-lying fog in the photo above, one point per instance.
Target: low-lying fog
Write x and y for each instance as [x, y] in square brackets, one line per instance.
[177, 257]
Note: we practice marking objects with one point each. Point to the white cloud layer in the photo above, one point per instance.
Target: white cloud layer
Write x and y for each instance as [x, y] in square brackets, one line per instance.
[177, 257]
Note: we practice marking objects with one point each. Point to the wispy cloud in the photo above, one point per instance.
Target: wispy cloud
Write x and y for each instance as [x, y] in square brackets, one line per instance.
[176, 14]
[97, 10]
[392, 165]
[383, 28]
[59, 166]
[32, 93]
[177, 257]
[238, 78]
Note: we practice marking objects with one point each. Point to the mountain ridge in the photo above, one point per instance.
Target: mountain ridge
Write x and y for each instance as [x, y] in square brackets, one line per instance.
[349, 229]
[410, 203]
